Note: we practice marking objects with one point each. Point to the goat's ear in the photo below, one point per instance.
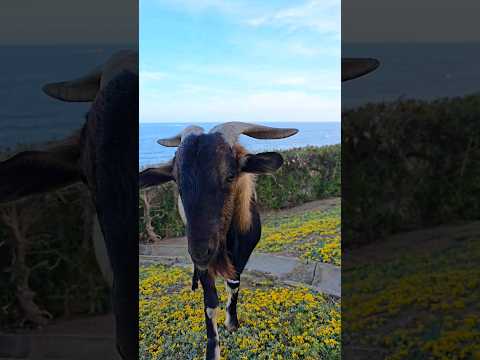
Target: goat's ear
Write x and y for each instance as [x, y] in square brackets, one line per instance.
[155, 176]
[263, 163]
[35, 172]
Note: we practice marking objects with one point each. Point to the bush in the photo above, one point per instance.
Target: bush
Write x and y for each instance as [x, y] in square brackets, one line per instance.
[308, 174]
[63, 272]
[163, 212]
[409, 164]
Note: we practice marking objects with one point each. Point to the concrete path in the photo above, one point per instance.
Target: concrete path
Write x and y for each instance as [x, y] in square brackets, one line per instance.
[325, 278]
[84, 338]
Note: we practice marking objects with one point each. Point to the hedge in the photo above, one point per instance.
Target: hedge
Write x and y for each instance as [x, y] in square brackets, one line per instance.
[409, 164]
[308, 174]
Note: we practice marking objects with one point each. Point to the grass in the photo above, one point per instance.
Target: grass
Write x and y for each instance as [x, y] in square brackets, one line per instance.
[276, 322]
[425, 306]
[311, 235]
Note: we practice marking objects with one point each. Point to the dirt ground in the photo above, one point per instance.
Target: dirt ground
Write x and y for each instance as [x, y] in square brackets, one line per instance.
[418, 242]
[324, 204]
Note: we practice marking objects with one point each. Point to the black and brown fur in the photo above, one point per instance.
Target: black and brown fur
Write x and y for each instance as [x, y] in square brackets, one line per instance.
[103, 155]
[216, 183]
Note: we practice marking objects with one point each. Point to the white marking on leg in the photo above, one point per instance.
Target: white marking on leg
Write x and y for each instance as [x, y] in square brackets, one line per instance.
[212, 315]
[228, 319]
[229, 302]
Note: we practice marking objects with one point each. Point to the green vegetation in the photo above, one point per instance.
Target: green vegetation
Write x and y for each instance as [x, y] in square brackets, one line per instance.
[163, 212]
[276, 322]
[424, 306]
[312, 235]
[409, 164]
[308, 174]
[51, 253]
[46, 248]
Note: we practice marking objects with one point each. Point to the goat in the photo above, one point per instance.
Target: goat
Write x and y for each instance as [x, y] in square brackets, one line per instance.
[216, 181]
[102, 155]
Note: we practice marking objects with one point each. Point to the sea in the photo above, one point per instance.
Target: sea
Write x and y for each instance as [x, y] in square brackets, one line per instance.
[28, 116]
[413, 71]
[310, 133]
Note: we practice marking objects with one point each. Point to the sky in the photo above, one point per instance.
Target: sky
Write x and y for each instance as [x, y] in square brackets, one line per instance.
[239, 60]
[436, 21]
[60, 22]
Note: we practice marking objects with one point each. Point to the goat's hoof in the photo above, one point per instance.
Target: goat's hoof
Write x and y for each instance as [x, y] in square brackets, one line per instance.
[194, 285]
[232, 325]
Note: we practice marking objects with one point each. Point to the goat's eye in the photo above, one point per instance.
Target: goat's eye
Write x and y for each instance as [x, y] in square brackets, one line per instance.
[230, 178]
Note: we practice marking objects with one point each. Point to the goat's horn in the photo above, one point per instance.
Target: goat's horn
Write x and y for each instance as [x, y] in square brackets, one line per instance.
[356, 67]
[85, 88]
[232, 130]
[177, 139]
[82, 89]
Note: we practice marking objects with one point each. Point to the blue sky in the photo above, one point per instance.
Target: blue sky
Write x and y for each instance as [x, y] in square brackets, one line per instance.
[228, 60]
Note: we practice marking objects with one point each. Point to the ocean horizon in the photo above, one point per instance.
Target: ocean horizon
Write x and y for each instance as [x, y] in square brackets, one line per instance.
[28, 116]
[310, 134]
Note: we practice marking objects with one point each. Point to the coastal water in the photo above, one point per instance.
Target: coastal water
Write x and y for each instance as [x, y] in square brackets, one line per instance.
[28, 116]
[317, 134]
[413, 71]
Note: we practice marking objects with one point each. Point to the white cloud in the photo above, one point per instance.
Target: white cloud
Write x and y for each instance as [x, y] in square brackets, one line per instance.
[255, 91]
[255, 22]
[298, 48]
[256, 77]
[190, 88]
[152, 75]
[195, 6]
[256, 106]
[319, 15]
[291, 81]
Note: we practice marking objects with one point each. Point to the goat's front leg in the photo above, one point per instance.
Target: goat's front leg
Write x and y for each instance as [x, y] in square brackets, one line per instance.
[210, 299]
[195, 278]
[231, 319]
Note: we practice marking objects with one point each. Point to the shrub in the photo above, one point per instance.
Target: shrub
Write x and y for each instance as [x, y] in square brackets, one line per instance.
[308, 174]
[63, 272]
[409, 164]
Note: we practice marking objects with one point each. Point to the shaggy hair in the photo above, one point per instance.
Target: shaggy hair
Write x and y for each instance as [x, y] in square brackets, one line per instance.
[242, 196]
